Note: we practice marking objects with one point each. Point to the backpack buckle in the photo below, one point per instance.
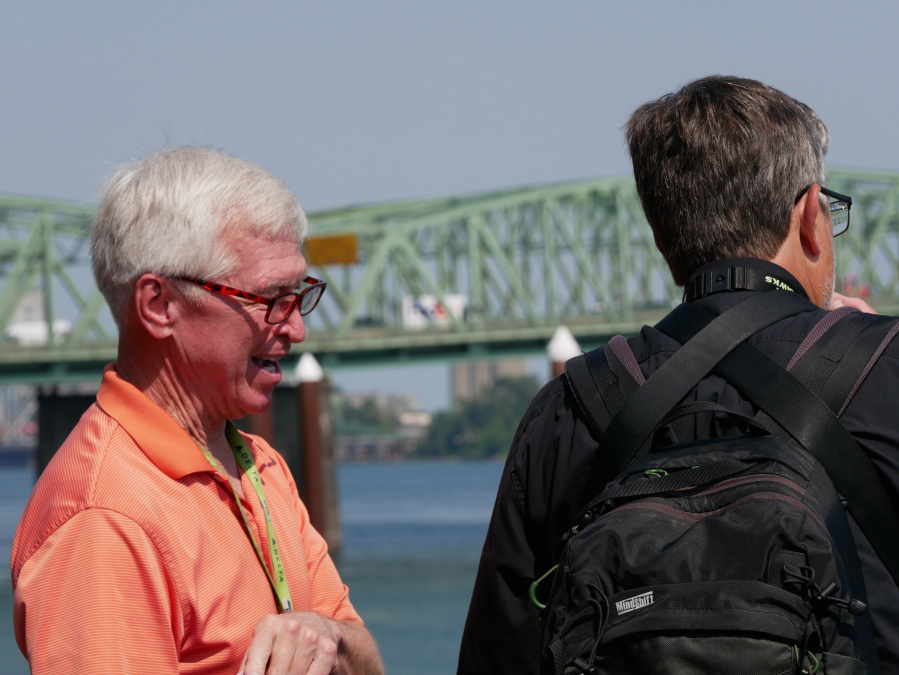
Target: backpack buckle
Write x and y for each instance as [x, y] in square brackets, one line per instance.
[715, 281]
[710, 282]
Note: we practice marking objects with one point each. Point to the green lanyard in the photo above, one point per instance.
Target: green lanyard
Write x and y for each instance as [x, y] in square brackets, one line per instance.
[245, 462]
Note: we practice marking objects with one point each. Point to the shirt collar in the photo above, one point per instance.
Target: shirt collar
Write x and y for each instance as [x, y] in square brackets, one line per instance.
[164, 442]
[755, 263]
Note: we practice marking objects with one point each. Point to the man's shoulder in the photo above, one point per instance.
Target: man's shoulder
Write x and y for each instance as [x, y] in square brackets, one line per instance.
[90, 466]
[550, 397]
[552, 428]
[70, 478]
[97, 454]
[549, 407]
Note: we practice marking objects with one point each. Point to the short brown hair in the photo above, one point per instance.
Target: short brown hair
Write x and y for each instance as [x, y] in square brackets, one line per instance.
[719, 166]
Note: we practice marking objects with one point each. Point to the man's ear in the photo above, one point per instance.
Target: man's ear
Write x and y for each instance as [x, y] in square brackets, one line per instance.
[156, 305]
[811, 227]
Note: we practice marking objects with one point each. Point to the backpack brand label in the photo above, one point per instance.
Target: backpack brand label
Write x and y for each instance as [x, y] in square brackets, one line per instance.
[636, 602]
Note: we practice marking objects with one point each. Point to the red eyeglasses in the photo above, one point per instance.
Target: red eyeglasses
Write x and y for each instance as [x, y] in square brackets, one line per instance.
[278, 308]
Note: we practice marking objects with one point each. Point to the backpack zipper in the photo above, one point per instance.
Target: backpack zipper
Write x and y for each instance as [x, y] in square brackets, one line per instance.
[695, 517]
[758, 478]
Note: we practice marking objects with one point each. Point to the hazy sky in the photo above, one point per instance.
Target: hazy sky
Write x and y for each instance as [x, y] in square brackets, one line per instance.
[353, 102]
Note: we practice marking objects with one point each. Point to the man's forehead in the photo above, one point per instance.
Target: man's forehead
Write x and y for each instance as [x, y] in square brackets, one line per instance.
[241, 234]
[278, 273]
[266, 263]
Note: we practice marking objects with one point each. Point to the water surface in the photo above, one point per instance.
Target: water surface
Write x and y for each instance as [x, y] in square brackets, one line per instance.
[412, 536]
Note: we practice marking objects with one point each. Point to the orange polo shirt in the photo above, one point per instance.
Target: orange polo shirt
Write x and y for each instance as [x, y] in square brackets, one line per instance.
[132, 556]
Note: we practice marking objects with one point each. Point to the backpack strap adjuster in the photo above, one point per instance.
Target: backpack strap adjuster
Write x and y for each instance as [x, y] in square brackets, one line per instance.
[707, 283]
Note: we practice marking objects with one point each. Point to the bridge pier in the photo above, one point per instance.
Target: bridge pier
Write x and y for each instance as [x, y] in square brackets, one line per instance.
[319, 469]
[57, 415]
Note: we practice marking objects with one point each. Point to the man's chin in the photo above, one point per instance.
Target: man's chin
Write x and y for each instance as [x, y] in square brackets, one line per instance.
[260, 403]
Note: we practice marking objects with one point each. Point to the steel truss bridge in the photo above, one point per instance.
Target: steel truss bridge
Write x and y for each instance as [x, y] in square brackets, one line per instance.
[515, 264]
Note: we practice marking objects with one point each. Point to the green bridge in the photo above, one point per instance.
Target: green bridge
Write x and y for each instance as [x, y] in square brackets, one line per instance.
[432, 279]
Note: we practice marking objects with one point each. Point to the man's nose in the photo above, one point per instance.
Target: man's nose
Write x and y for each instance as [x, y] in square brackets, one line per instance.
[293, 327]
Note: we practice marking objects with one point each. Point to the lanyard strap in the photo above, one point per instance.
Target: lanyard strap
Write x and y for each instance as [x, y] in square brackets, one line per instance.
[246, 463]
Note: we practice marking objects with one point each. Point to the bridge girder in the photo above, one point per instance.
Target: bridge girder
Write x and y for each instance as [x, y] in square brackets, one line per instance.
[526, 261]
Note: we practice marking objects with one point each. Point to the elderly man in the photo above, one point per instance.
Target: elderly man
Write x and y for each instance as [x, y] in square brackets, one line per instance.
[731, 176]
[160, 539]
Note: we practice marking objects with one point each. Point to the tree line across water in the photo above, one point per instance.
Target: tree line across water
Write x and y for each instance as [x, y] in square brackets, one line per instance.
[478, 428]
[481, 427]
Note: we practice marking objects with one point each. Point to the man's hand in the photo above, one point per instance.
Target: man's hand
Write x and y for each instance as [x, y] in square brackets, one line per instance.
[304, 642]
[840, 300]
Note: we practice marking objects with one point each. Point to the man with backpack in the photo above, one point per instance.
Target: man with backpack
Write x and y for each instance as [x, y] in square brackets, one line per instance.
[719, 492]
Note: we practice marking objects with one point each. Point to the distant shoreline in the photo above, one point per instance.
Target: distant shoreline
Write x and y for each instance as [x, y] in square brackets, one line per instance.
[18, 457]
[446, 459]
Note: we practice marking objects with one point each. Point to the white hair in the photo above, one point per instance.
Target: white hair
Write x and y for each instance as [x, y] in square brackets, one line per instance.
[165, 214]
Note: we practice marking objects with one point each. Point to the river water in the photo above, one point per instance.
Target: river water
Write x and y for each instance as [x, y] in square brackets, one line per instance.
[412, 536]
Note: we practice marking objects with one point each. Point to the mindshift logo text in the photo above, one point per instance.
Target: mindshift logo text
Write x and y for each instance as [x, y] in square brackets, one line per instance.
[636, 602]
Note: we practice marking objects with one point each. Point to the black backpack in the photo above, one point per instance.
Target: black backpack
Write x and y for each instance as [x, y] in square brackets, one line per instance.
[729, 555]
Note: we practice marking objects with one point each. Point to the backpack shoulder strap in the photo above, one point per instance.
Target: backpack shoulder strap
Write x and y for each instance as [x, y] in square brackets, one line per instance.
[816, 428]
[624, 365]
[820, 337]
[595, 389]
[817, 356]
[666, 387]
[834, 362]
[602, 380]
[820, 353]
[858, 361]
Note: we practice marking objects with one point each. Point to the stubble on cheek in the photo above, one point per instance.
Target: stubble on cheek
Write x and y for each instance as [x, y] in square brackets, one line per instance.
[827, 285]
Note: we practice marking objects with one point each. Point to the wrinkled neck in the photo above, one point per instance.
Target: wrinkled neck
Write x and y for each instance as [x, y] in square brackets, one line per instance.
[151, 367]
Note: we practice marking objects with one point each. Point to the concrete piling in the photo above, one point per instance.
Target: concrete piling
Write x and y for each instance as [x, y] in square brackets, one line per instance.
[318, 473]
